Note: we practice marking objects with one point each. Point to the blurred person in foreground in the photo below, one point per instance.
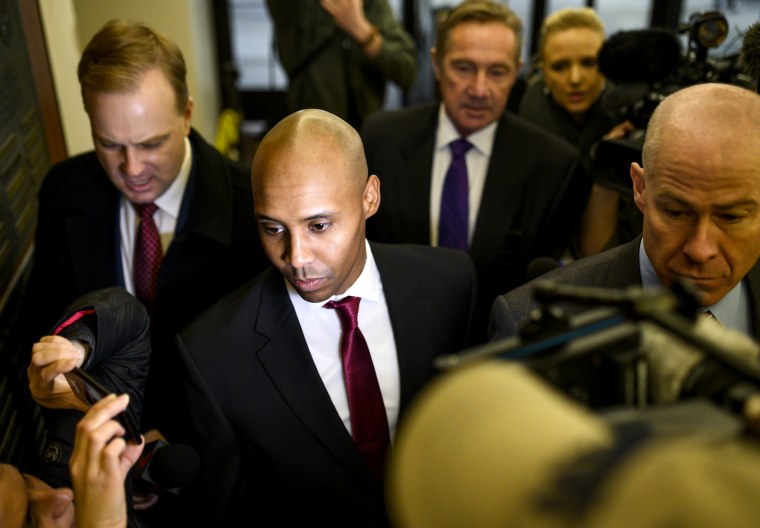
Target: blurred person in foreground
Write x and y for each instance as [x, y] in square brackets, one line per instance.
[106, 334]
[100, 464]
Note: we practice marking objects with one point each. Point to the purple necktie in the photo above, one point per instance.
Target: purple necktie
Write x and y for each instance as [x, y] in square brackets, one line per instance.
[148, 255]
[452, 228]
[369, 423]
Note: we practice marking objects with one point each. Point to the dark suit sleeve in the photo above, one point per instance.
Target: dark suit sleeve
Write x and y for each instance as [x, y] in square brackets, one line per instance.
[508, 314]
[214, 497]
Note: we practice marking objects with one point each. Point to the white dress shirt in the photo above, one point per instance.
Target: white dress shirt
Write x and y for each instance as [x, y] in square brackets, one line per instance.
[322, 330]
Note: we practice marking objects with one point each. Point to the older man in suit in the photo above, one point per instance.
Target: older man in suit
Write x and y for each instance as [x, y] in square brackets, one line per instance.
[699, 193]
[271, 368]
[523, 190]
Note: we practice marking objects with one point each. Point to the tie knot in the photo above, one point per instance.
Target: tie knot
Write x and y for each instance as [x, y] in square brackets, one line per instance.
[145, 210]
[347, 309]
[459, 147]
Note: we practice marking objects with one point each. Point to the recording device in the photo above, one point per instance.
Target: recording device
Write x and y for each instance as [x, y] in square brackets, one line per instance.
[632, 348]
[164, 468]
[91, 391]
[647, 65]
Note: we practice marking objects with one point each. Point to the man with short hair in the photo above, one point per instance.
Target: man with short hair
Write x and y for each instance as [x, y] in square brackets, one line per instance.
[90, 235]
[522, 190]
[289, 427]
[699, 193]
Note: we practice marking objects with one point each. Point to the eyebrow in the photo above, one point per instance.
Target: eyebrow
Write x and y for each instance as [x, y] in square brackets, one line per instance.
[316, 216]
[155, 139]
[742, 202]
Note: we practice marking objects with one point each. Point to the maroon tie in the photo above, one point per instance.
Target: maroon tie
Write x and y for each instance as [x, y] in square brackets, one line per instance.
[147, 255]
[369, 424]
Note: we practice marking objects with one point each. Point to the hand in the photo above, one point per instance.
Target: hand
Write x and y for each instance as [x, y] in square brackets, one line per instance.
[349, 16]
[100, 463]
[52, 356]
[619, 131]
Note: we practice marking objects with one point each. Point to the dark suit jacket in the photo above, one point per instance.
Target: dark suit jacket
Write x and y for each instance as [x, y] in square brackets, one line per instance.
[534, 194]
[271, 441]
[215, 248]
[616, 268]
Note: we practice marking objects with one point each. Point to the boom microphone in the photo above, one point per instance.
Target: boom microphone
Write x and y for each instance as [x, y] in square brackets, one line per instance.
[164, 468]
[642, 55]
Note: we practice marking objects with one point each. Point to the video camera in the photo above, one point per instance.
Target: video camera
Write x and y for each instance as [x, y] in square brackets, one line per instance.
[634, 348]
[645, 66]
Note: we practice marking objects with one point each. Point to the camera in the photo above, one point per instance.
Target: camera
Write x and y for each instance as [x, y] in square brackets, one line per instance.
[645, 66]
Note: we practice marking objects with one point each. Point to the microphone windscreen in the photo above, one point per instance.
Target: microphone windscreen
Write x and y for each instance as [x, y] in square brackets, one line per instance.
[642, 55]
[174, 465]
[749, 56]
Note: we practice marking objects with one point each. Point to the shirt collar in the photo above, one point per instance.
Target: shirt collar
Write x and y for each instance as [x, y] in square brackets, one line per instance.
[482, 139]
[170, 200]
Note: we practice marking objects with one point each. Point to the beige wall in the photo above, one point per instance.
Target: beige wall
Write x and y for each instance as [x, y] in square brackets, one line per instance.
[69, 24]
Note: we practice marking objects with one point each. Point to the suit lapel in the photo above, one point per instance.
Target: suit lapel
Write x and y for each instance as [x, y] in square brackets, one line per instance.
[500, 202]
[211, 216]
[411, 319]
[414, 191]
[625, 270]
[753, 281]
[286, 358]
[94, 237]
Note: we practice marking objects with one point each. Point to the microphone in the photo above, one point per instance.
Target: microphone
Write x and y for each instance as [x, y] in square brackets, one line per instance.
[749, 56]
[642, 55]
[540, 265]
[164, 468]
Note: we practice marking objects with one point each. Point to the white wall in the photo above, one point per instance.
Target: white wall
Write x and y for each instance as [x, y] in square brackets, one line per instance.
[69, 25]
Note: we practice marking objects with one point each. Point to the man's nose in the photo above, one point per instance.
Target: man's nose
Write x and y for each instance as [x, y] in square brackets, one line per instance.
[132, 162]
[702, 245]
[479, 85]
[298, 251]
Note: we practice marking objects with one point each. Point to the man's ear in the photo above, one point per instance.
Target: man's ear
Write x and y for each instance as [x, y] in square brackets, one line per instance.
[639, 185]
[434, 63]
[187, 115]
[371, 196]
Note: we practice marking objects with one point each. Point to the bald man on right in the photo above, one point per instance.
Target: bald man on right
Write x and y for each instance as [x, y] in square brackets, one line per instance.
[699, 193]
[298, 379]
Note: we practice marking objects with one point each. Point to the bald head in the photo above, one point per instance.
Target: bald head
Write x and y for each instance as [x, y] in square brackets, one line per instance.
[727, 113]
[316, 134]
